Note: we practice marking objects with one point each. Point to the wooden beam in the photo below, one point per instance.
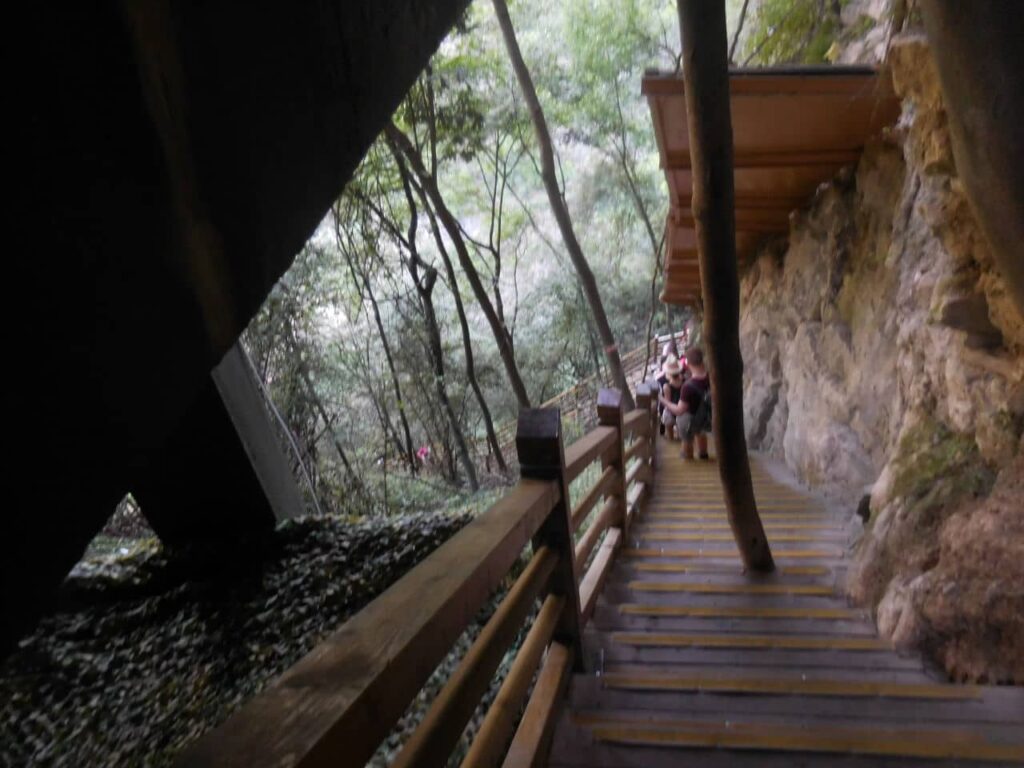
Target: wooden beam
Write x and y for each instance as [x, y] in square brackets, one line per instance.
[488, 747]
[710, 132]
[840, 80]
[530, 745]
[436, 736]
[681, 159]
[345, 695]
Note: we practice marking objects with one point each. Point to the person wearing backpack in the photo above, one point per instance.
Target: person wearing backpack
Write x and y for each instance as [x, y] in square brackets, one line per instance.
[693, 411]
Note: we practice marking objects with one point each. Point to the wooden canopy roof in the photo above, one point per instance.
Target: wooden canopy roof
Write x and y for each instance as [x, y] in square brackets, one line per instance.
[792, 130]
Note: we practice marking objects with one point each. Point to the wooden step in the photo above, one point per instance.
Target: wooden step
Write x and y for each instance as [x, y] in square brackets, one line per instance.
[788, 538]
[668, 515]
[731, 589]
[717, 525]
[788, 686]
[711, 568]
[735, 612]
[774, 642]
[780, 554]
[943, 744]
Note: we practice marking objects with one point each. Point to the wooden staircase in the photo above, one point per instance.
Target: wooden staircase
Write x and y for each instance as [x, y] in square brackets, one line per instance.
[691, 662]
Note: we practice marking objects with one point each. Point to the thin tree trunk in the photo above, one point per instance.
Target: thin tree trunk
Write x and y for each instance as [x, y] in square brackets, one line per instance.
[706, 79]
[558, 206]
[451, 226]
[467, 344]
[362, 277]
[739, 28]
[425, 288]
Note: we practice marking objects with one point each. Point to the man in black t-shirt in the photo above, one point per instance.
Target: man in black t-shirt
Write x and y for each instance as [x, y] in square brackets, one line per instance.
[693, 410]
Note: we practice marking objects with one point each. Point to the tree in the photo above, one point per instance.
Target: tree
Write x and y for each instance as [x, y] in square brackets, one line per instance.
[558, 205]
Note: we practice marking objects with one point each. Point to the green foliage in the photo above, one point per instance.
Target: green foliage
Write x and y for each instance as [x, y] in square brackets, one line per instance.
[466, 119]
[792, 31]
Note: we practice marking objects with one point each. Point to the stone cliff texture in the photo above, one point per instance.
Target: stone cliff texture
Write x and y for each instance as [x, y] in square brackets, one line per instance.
[885, 360]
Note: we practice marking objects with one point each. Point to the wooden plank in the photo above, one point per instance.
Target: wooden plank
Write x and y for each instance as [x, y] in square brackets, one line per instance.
[777, 737]
[739, 612]
[639, 473]
[533, 737]
[776, 642]
[789, 570]
[783, 537]
[791, 686]
[605, 483]
[500, 722]
[841, 81]
[811, 554]
[590, 587]
[586, 449]
[432, 742]
[344, 696]
[593, 534]
[639, 447]
[636, 422]
[732, 589]
[723, 526]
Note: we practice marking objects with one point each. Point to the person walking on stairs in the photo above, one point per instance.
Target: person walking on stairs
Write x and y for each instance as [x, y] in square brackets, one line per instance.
[669, 398]
[691, 410]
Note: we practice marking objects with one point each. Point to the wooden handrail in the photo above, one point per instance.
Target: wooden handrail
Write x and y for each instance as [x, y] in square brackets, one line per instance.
[336, 705]
[636, 422]
[500, 721]
[437, 734]
[609, 478]
[589, 447]
[530, 744]
[345, 695]
[593, 534]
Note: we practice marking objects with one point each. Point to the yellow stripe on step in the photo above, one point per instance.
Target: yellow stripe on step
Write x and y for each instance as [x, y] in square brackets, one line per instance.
[791, 686]
[731, 589]
[785, 642]
[936, 744]
[737, 612]
[790, 537]
[718, 516]
[696, 525]
[812, 554]
[791, 570]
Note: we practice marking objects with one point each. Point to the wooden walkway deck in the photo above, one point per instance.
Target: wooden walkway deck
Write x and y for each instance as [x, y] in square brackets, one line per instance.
[694, 663]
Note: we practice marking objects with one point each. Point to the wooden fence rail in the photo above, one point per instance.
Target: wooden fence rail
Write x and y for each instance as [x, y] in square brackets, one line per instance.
[578, 402]
[336, 705]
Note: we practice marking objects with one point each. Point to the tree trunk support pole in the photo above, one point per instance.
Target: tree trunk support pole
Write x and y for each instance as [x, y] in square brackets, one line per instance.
[706, 78]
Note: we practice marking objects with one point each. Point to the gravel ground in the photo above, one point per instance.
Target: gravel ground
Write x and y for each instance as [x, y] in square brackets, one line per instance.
[137, 661]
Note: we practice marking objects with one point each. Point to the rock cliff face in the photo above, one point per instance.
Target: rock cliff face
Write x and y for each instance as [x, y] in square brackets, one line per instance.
[884, 359]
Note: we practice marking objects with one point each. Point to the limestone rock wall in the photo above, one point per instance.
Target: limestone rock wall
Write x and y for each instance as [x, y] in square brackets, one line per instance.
[883, 357]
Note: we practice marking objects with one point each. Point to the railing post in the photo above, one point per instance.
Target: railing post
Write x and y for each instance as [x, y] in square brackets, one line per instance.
[542, 457]
[609, 414]
[645, 399]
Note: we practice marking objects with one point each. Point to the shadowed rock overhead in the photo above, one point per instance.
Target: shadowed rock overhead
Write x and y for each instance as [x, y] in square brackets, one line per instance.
[171, 159]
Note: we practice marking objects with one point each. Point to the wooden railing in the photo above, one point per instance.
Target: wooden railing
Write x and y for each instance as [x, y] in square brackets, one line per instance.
[336, 705]
[577, 402]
